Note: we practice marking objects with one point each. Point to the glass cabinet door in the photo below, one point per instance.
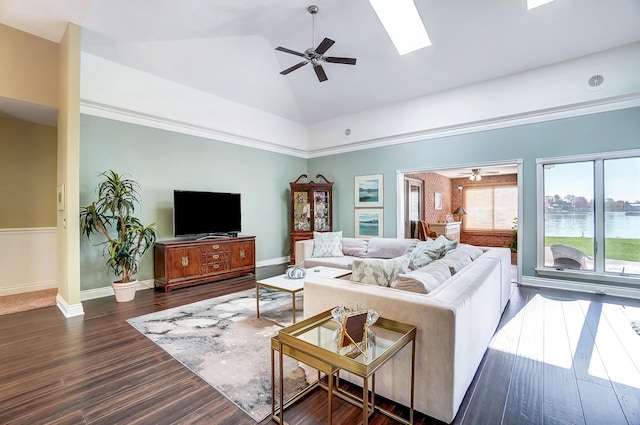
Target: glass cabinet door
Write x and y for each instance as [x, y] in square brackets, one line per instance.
[301, 211]
[322, 211]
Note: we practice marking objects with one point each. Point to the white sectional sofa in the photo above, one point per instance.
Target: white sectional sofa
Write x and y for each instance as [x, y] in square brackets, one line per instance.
[454, 323]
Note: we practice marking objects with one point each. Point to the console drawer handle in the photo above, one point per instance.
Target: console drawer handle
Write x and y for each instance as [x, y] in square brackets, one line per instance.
[215, 257]
[215, 246]
[216, 266]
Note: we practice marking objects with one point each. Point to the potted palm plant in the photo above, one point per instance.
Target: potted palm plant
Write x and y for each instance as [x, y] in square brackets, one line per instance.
[126, 238]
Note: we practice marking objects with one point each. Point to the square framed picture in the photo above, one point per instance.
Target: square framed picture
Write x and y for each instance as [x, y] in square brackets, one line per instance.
[369, 223]
[369, 191]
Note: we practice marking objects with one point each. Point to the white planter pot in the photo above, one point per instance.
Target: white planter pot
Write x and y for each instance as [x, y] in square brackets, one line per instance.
[124, 291]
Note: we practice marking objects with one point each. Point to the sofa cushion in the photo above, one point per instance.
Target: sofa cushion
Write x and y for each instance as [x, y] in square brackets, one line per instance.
[334, 262]
[473, 251]
[389, 247]
[456, 260]
[327, 244]
[422, 280]
[424, 253]
[356, 247]
[378, 271]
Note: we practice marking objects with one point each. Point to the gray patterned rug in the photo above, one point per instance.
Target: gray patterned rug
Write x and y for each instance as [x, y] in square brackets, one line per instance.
[221, 340]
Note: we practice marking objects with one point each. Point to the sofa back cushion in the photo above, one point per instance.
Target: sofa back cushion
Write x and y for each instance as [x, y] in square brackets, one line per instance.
[473, 251]
[355, 247]
[327, 244]
[423, 280]
[378, 271]
[456, 260]
[389, 247]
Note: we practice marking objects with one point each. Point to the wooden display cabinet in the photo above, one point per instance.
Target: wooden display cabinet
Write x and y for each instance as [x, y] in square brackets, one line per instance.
[311, 209]
[182, 263]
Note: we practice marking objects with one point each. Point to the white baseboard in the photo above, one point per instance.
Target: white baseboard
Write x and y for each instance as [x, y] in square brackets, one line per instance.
[107, 291]
[592, 288]
[69, 310]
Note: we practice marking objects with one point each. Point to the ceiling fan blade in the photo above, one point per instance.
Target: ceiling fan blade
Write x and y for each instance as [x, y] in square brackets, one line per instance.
[293, 52]
[346, 61]
[294, 67]
[320, 73]
[324, 45]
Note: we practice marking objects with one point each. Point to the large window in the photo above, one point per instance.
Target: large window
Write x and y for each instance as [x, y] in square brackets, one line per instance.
[490, 208]
[591, 213]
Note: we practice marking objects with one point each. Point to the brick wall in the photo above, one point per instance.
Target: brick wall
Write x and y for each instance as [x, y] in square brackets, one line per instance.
[452, 199]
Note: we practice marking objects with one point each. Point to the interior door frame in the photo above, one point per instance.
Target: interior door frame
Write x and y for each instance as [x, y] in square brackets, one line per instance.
[400, 176]
[408, 183]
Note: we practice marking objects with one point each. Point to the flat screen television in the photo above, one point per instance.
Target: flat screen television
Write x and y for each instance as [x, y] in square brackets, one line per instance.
[206, 213]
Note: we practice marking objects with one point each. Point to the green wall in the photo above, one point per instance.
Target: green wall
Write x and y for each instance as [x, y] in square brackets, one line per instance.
[162, 161]
[609, 131]
[28, 174]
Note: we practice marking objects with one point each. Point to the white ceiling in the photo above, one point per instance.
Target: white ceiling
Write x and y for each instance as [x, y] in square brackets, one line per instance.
[226, 47]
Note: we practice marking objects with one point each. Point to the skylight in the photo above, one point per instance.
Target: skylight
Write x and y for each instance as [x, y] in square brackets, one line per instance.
[402, 22]
[535, 3]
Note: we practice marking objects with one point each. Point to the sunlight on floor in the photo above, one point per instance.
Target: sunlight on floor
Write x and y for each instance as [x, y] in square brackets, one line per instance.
[595, 339]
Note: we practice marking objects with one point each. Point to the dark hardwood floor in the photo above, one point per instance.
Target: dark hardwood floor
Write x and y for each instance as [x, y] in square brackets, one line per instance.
[556, 358]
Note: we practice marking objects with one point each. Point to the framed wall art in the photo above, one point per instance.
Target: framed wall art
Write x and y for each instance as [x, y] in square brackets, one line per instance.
[369, 223]
[437, 201]
[369, 191]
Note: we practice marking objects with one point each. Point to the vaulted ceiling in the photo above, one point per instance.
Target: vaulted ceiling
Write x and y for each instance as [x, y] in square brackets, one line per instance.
[227, 47]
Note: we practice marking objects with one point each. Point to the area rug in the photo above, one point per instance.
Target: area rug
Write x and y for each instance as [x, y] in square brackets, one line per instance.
[222, 341]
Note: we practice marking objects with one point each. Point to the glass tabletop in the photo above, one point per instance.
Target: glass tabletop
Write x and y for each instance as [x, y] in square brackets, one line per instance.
[319, 335]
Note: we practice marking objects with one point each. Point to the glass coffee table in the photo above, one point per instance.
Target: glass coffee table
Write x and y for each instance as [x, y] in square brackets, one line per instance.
[313, 342]
[293, 286]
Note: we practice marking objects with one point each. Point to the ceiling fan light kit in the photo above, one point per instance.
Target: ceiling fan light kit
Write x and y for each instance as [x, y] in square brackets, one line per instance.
[475, 175]
[315, 56]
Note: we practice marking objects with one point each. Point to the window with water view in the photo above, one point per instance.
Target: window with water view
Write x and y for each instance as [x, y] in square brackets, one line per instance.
[592, 215]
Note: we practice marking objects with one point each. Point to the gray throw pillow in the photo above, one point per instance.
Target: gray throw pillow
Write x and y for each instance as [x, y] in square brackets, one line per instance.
[378, 271]
[448, 244]
[327, 244]
[424, 253]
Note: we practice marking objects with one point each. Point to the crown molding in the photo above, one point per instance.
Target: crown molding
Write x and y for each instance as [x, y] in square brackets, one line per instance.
[133, 117]
[550, 114]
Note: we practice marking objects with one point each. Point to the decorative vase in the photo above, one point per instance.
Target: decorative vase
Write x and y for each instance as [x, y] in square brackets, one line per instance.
[124, 291]
[296, 272]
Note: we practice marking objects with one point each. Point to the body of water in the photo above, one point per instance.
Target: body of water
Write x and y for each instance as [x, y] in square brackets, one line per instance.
[617, 225]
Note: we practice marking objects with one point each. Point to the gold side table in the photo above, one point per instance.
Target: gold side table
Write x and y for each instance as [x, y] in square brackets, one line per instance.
[312, 341]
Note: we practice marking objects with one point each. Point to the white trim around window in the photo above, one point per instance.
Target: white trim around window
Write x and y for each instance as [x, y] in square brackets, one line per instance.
[598, 275]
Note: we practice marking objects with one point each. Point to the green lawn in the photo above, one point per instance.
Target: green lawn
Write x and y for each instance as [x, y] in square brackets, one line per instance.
[616, 249]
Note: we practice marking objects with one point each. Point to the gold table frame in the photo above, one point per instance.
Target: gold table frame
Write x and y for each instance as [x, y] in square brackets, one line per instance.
[290, 342]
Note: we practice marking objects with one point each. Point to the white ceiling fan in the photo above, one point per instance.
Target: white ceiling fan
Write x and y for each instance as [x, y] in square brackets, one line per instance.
[477, 173]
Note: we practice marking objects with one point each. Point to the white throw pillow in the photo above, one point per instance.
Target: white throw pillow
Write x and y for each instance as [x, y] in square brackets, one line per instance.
[378, 271]
[327, 244]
